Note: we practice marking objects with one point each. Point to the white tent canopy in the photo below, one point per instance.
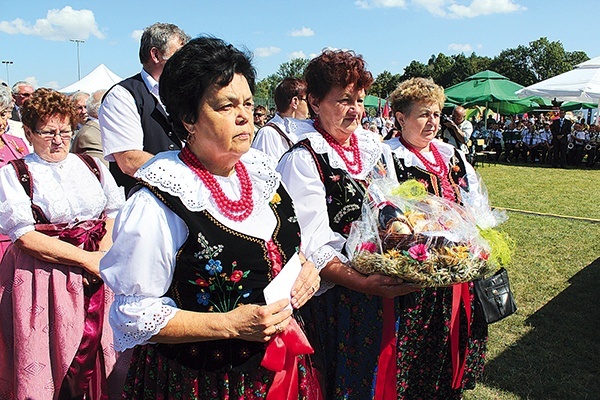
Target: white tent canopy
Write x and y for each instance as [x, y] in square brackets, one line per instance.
[100, 78]
[582, 84]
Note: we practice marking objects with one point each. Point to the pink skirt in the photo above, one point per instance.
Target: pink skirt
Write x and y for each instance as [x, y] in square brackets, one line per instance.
[42, 320]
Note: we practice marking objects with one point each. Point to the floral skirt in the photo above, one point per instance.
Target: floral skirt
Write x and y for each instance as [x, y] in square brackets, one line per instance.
[423, 347]
[345, 329]
[153, 376]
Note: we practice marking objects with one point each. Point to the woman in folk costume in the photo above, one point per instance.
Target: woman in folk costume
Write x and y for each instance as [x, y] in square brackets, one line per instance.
[58, 210]
[441, 342]
[327, 173]
[198, 243]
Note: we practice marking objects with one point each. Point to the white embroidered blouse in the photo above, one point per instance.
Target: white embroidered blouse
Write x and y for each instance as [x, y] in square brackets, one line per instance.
[147, 235]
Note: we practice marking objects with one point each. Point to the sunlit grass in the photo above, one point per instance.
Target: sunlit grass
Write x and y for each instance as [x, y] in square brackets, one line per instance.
[550, 349]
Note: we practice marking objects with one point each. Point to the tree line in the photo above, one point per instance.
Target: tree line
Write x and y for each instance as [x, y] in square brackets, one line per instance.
[525, 65]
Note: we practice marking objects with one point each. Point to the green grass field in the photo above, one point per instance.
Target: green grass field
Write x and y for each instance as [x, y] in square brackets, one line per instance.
[549, 349]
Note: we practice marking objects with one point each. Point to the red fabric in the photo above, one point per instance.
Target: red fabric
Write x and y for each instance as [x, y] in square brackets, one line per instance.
[281, 357]
[386, 110]
[460, 293]
[87, 234]
[385, 384]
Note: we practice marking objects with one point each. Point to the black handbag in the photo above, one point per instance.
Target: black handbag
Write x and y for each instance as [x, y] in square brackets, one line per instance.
[495, 300]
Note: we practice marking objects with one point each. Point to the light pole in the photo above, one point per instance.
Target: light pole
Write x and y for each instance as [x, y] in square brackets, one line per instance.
[7, 64]
[78, 64]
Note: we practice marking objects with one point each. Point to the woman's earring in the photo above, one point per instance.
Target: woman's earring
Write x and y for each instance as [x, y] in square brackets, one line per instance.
[190, 138]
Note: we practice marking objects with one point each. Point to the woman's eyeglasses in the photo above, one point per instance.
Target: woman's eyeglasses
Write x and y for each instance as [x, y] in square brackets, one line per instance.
[49, 135]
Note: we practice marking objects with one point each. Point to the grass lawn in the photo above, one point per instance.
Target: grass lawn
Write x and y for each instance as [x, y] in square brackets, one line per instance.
[550, 349]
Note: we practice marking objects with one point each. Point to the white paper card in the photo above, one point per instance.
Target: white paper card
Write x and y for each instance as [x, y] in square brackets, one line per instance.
[281, 286]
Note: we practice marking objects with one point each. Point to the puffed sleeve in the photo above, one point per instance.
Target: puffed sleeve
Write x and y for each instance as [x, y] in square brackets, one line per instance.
[320, 243]
[139, 268]
[16, 218]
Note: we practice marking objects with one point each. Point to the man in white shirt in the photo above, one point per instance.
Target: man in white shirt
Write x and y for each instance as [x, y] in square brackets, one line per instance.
[133, 121]
[458, 130]
[278, 135]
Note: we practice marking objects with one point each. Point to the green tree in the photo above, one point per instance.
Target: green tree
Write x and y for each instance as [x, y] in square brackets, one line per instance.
[514, 64]
[292, 69]
[441, 67]
[576, 57]
[265, 89]
[416, 69]
[384, 84]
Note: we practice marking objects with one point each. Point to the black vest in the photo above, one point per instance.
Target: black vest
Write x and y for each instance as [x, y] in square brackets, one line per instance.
[343, 194]
[158, 131]
[218, 269]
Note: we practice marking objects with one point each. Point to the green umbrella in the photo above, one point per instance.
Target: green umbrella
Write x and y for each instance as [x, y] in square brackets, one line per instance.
[373, 101]
[483, 87]
[491, 90]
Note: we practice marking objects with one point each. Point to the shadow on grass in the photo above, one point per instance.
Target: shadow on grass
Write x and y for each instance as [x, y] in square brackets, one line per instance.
[560, 357]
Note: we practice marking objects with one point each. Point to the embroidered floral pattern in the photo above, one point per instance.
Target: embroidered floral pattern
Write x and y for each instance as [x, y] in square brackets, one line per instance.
[220, 291]
[207, 251]
[276, 199]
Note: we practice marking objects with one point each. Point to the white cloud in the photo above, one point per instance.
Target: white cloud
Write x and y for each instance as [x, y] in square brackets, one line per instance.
[58, 25]
[449, 8]
[32, 80]
[266, 51]
[484, 7]
[460, 48]
[52, 85]
[380, 3]
[137, 34]
[304, 32]
[435, 7]
[297, 54]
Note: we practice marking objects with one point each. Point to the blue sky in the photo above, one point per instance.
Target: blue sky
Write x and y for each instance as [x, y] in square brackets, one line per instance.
[35, 35]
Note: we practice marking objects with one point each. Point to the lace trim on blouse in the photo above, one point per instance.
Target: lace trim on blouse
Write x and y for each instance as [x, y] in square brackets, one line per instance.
[410, 160]
[168, 173]
[368, 143]
[320, 258]
[146, 317]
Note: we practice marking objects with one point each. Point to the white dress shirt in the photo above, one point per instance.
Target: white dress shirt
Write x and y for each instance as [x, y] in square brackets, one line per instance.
[120, 122]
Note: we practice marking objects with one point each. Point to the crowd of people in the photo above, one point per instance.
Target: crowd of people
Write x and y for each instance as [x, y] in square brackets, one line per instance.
[142, 228]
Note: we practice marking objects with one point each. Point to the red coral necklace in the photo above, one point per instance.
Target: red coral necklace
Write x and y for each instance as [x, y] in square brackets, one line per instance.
[354, 166]
[235, 210]
[438, 167]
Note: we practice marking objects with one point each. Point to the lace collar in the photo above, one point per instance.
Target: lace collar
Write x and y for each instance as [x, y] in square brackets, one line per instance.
[446, 151]
[168, 173]
[369, 145]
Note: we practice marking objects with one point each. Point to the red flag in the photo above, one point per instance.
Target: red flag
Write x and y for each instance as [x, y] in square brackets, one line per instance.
[386, 110]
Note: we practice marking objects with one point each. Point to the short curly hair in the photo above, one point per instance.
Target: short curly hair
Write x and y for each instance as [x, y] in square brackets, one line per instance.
[415, 90]
[336, 68]
[44, 104]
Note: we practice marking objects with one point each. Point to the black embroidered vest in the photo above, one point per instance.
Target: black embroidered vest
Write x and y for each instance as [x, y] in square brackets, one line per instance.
[456, 172]
[344, 195]
[218, 269]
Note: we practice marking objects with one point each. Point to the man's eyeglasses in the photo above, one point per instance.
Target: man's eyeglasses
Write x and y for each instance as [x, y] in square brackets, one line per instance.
[49, 135]
[24, 94]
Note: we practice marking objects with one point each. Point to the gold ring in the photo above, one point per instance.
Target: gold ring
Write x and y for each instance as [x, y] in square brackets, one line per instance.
[278, 328]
